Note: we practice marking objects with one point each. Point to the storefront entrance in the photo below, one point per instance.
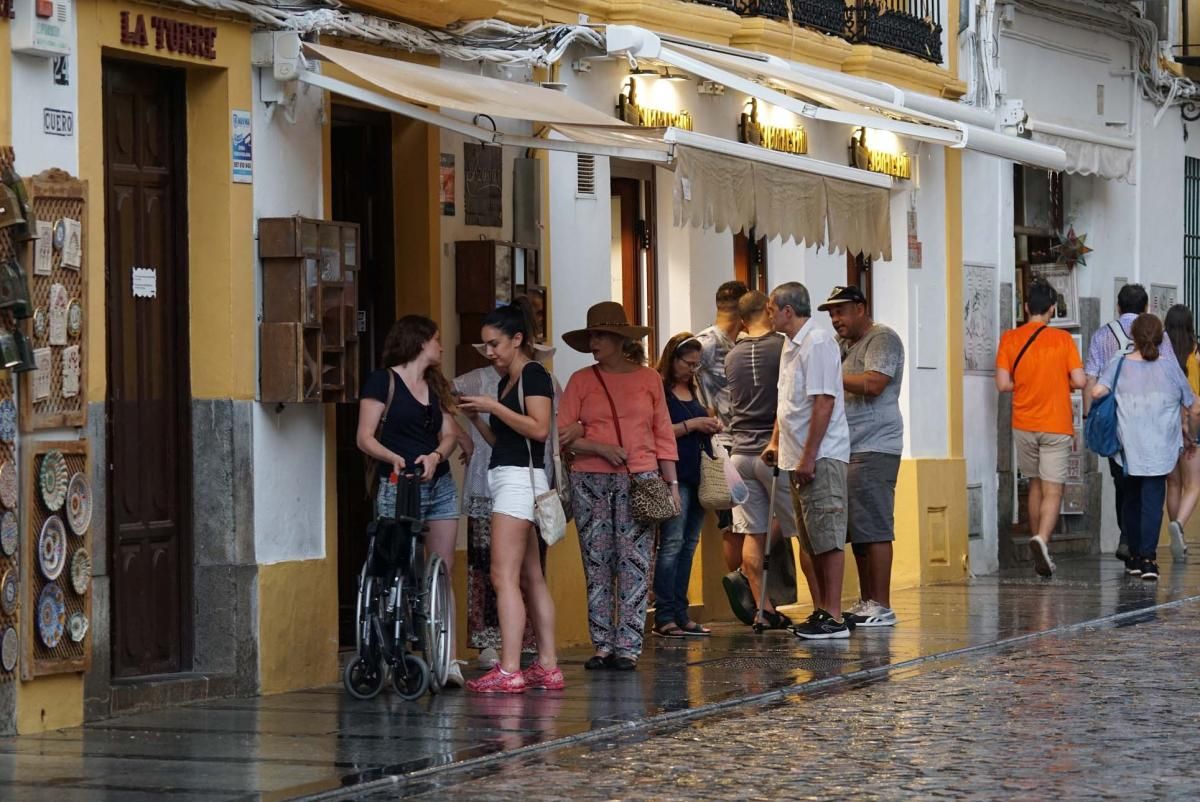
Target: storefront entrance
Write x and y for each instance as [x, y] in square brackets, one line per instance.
[149, 394]
[362, 193]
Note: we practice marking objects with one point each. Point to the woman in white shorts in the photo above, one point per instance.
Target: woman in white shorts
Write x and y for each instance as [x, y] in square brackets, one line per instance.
[520, 420]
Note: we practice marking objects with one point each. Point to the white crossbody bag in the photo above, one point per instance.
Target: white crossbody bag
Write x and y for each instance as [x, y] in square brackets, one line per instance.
[548, 514]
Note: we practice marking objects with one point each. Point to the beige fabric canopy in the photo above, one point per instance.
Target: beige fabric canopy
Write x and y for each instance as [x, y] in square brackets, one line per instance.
[721, 192]
[475, 94]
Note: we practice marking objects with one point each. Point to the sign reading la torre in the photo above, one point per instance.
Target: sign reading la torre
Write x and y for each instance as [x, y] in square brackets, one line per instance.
[174, 36]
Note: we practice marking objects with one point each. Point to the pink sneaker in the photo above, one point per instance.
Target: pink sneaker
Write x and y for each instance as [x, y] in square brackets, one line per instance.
[496, 681]
[546, 679]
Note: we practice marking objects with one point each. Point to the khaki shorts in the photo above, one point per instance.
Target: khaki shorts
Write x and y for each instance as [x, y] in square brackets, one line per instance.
[821, 508]
[753, 517]
[1041, 455]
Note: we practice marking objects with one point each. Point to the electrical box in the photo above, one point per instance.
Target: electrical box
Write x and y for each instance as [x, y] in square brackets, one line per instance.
[279, 50]
[43, 27]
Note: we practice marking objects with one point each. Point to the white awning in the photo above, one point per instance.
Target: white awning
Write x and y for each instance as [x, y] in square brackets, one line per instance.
[1088, 153]
[719, 183]
[773, 81]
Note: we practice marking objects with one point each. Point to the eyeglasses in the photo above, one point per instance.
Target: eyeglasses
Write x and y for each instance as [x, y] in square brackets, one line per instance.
[692, 364]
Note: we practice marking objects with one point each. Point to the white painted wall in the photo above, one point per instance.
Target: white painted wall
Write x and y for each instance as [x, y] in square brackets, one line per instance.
[33, 90]
[289, 445]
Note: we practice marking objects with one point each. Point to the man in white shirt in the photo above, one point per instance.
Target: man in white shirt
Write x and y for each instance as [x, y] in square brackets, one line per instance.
[812, 440]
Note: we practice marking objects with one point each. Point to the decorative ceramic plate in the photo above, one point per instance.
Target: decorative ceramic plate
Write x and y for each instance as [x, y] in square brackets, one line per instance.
[52, 548]
[8, 420]
[79, 504]
[60, 234]
[77, 626]
[81, 571]
[52, 615]
[8, 484]
[9, 533]
[41, 323]
[10, 647]
[75, 318]
[53, 480]
[8, 592]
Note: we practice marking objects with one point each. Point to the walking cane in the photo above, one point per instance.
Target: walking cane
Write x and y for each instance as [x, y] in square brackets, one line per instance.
[759, 620]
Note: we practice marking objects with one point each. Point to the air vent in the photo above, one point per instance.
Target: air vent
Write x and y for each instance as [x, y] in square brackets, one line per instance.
[585, 175]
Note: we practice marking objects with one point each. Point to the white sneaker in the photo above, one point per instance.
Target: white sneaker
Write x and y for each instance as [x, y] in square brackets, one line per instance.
[454, 676]
[488, 658]
[857, 608]
[873, 614]
[1041, 557]
[1178, 547]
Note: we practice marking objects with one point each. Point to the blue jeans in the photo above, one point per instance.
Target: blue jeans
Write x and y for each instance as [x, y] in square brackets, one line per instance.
[1142, 513]
[676, 548]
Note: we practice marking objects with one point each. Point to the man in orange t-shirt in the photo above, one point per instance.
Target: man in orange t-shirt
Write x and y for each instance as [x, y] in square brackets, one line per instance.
[1040, 366]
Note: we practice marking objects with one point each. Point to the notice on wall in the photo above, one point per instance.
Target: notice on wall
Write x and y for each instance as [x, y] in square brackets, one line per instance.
[145, 282]
[1162, 298]
[243, 148]
[482, 194]
[914, 242]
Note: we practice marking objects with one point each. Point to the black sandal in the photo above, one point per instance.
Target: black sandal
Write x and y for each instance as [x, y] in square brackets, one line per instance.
[669, 630]
[695, 630]
[773, 619]
[598, 662]
[625, 664]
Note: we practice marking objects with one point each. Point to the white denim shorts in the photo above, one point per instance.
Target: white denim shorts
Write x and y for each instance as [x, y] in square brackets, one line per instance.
[512, 494]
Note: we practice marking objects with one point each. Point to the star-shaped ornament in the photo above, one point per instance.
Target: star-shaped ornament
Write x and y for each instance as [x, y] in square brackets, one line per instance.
[1072, 249]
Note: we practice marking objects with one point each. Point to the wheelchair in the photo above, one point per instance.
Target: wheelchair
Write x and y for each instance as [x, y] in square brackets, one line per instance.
[405, 605]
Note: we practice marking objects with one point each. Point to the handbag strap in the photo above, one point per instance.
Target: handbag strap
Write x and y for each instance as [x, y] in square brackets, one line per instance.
[1025, 348]
[553, 435]
[391, 395]
[612, 405]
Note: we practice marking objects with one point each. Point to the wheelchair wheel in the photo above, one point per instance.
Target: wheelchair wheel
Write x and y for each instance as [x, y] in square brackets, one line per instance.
[363, 679]
[411, 680]
[437, 614]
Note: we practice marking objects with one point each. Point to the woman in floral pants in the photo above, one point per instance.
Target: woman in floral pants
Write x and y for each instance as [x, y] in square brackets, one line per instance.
[614, 418]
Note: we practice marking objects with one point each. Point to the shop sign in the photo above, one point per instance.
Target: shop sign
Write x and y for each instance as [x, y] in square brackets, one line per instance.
[895, 164]
[772, 137]
[174, 36]
[243, 148]
[629, 110]
[58, 122]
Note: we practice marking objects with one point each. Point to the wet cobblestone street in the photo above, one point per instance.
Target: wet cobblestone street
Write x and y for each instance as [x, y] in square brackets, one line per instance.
[1098, 713]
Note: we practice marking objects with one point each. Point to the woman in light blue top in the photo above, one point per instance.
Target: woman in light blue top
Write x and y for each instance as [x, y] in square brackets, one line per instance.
[1156, 415]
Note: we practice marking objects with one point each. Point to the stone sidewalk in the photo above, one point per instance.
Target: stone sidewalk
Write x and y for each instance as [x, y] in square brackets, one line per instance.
[319, 742]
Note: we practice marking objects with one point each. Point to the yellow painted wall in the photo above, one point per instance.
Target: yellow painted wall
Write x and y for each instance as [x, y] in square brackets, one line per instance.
[50, 703]
[220, 234]
[5, 85]
[297, 624]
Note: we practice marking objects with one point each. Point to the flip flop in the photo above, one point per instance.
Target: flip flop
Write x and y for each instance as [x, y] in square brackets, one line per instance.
[668, 631]
[695, 630]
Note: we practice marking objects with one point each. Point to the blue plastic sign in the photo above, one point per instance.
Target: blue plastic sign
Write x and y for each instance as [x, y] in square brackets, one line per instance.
[243, 149]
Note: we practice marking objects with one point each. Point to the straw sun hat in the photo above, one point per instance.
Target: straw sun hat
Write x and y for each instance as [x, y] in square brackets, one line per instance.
[608, 316]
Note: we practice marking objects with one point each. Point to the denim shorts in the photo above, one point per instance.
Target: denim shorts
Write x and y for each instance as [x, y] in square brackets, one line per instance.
[439, 499]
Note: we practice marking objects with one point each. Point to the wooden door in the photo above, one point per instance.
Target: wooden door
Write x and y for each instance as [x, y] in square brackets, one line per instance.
[149, 396]
[362, 193]
[627, 191]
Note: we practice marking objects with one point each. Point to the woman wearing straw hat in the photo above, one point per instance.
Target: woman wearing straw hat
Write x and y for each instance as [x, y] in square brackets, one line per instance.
[626, 434]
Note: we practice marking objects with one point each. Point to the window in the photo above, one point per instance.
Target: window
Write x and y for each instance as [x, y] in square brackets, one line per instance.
[1037, 223]
[750, 260]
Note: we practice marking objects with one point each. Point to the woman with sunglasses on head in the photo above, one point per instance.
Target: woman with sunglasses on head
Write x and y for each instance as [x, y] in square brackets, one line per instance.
[418, 432]
[519, 421]
[693, 427]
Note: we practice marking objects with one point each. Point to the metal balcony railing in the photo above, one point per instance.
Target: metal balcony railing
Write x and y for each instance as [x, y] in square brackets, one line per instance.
[907, 26]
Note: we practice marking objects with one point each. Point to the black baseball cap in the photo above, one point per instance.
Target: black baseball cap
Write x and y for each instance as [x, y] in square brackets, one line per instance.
[843, 295]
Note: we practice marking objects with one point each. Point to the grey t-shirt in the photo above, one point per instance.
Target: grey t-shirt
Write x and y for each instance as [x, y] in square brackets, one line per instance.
[875, 423]
[752, 377]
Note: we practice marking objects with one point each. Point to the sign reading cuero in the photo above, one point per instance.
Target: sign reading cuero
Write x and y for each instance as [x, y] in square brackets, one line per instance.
[173, 36]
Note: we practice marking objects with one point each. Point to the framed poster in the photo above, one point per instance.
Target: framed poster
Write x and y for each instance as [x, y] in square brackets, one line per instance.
[1062, 279]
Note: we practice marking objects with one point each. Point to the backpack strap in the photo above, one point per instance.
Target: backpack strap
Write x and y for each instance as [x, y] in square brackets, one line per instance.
[1025, 348]
[1118, 333]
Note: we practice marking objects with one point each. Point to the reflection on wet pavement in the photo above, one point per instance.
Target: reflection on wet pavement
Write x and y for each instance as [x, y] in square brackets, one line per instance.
[306, 742]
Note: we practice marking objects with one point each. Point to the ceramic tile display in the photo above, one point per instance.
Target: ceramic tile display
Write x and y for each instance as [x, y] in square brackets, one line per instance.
[71, 366]
[42, 373]
[51, 615]
[81, 571]
[72, 251]
[52, 548]
[79, 504]
[10, 533]
[9, 592]
[60, 302]
[43, 259]
[10, 649]
[9, 489]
